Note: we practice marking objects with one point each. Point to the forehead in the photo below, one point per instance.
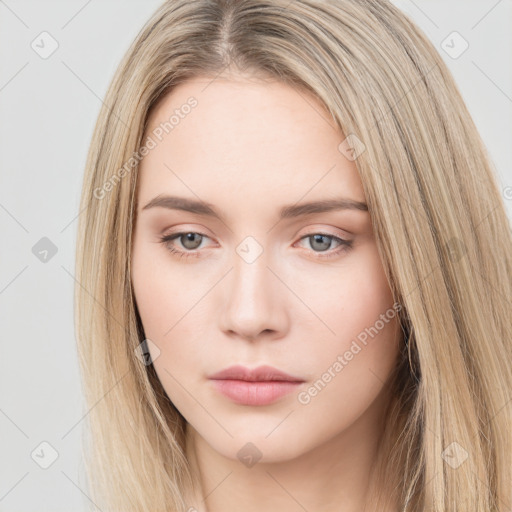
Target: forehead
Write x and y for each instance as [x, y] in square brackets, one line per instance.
[240, 93]
[230, 137]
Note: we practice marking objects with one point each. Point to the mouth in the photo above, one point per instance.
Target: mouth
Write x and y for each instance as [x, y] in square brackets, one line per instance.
[259, 386]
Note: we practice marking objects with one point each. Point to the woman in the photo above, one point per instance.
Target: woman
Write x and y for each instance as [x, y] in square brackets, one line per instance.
[294, 270]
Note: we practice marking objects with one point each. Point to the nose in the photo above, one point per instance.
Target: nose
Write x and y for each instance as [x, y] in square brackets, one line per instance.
[253, 302]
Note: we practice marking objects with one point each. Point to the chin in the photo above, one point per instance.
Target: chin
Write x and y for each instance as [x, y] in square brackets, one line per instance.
[253, 447]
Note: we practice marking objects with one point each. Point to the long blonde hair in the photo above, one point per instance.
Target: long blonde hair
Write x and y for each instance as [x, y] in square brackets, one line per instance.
[438, 218]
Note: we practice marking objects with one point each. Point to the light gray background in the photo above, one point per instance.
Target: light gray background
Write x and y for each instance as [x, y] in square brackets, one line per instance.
[48, 109]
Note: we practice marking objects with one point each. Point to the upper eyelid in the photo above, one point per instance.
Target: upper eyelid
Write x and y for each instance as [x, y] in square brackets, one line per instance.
[343, 234]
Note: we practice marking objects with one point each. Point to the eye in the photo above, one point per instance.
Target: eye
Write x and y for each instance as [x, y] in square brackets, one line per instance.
[322, 241]
[191, 241]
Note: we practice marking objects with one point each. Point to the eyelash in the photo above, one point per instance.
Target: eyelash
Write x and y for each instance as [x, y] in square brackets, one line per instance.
[345, 245]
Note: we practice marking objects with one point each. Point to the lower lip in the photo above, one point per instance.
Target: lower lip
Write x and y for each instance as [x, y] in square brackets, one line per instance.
[255, 393]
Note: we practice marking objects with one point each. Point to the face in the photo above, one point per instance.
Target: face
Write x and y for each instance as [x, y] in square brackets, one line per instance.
[262, 282]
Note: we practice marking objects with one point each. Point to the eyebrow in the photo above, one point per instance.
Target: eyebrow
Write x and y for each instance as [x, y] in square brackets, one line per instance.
[286, 212]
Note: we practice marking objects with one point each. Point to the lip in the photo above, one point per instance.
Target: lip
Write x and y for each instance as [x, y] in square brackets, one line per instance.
[259, 374]
[259, 386]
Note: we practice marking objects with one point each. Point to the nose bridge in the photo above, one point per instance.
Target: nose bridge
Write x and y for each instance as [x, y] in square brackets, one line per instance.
[251, 277]
[252, 302]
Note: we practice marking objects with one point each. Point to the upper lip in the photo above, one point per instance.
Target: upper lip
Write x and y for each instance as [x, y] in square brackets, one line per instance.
[259, 374]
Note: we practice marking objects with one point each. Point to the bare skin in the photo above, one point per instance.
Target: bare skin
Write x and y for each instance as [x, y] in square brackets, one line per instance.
[249, 148]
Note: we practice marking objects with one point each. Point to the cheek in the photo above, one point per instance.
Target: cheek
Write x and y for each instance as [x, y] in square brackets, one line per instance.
[172, 313]
[351, 370]
[366, 302]
[163, 294]
[151, 296]
[172, 307]
[357, 306]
